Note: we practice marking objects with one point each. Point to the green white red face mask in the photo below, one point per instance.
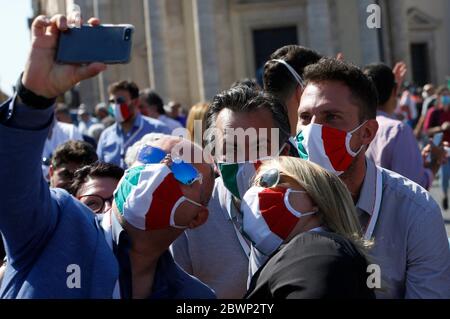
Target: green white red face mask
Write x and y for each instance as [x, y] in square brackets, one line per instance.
[328, 147]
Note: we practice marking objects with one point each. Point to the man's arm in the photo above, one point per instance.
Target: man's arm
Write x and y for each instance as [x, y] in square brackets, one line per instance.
[27, 213]
[428, 257]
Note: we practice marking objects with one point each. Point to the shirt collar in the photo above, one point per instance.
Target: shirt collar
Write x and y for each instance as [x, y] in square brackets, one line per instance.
[116, 228]
[136, 124]
[367, 196]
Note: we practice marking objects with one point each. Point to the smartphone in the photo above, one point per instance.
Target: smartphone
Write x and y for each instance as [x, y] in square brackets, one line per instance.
[109, 44]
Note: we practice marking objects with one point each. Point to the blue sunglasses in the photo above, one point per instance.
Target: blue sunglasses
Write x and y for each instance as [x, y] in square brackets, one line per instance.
[183, 172]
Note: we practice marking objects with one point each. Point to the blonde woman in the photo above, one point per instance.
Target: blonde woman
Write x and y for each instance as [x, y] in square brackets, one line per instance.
[197, 113]
[303, 219]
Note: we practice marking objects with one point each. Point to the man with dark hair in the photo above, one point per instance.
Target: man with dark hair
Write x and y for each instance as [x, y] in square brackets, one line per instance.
[130, 125]
[94, 185]
[283, 76]
[395, 146]
[202, 252]
[69, 157]
[337, 119]
[56, 248]
[152, 105]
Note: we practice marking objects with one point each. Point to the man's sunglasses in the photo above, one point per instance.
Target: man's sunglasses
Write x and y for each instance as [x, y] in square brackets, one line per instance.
[183, 172]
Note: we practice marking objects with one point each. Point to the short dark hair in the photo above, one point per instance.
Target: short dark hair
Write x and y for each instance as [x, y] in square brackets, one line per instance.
[78, 152]
[361, 87]
[128, 86]
[277, 78]
[246, 99]
[383, 79]
[152, 98]
[251, 83]
[99, 170]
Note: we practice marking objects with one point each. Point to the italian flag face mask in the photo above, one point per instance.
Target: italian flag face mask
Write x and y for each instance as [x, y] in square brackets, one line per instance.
[328, 147]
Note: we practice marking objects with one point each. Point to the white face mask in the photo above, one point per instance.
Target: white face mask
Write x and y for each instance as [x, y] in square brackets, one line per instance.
[328, 147]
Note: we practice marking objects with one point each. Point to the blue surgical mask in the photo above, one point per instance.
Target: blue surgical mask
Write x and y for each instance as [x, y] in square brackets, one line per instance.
[445, 100]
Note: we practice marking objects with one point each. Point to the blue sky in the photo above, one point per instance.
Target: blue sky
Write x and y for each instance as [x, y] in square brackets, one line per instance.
[15, 40]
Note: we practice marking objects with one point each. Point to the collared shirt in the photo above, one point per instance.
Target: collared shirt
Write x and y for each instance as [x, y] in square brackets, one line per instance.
[410, 241]
[114, 142]
[170, 281]
[395, 148]
[213, 252]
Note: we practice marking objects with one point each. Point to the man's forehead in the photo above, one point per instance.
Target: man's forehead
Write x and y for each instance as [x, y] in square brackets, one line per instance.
[260, 117]
[327, 96]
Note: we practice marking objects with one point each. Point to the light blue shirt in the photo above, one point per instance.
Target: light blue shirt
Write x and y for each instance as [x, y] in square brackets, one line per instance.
[114, 142]
[411, 245]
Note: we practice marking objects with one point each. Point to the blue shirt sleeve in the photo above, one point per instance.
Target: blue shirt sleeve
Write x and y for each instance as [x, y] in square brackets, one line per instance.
[27, 213]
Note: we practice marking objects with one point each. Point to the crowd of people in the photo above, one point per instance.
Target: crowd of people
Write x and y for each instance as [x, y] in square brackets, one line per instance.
[109, 207]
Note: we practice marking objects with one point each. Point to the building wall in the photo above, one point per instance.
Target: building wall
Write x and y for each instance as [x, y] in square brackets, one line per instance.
[189, 50]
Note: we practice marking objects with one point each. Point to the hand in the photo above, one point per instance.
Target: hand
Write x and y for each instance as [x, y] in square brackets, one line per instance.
[400, 69]
[445, 126]
[438, 155]
[42, 75]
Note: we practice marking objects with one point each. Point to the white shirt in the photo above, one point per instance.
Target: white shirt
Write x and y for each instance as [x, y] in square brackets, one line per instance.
[170, 123]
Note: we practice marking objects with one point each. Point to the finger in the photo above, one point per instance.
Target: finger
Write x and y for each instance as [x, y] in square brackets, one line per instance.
[39, 25]
[59, 22]
[94, 21]
[89, 71]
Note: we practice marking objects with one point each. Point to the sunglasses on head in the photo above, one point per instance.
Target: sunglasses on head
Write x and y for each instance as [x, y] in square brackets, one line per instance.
[183, 172]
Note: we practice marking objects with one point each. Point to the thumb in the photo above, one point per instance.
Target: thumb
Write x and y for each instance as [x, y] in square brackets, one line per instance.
[89, 71]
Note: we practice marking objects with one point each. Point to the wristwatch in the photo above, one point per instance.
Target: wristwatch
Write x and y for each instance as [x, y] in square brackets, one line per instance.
[30, 98]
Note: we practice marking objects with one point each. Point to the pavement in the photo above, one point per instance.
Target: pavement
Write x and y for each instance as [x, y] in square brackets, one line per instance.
[436, 193]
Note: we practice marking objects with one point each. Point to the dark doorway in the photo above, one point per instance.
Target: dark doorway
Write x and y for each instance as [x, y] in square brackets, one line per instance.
[420, 63]
[266, 41]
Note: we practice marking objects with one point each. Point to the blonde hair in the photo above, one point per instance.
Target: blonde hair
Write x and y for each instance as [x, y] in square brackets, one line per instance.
[197, 113]
[327, 191]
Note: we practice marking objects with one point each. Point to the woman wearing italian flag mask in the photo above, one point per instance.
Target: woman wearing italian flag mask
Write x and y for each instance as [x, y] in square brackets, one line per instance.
[303, 220]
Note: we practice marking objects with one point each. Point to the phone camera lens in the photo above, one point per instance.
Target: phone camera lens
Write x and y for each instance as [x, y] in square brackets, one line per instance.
[127, 34]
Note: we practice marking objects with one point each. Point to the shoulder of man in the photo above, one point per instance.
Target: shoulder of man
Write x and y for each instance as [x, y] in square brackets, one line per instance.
[405, 191]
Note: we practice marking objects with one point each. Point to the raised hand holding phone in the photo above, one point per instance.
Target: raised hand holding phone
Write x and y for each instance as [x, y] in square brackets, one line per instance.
[42, 75]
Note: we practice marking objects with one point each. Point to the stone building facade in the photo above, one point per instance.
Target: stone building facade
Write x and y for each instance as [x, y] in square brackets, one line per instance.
[188, 50]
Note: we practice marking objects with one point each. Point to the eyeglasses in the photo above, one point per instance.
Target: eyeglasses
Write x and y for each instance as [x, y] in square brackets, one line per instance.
[95, 202]
[183, 172]
[270, 178]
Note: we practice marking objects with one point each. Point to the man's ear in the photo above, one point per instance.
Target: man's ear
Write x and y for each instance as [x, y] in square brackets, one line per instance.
[200, 219]
[370, 131]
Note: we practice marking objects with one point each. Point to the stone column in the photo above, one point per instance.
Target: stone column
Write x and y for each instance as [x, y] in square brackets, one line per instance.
[206, 48]
[369, 38]
[154, 24]
[319, 27]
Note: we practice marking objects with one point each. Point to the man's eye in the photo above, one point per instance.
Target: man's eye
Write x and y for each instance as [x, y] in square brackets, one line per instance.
[331, 117]
[305, 117]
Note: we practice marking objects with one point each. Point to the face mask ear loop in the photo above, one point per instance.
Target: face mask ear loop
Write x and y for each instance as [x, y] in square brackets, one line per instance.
[292, 209]
[172, 213]
[348, 139]
[294, 73]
